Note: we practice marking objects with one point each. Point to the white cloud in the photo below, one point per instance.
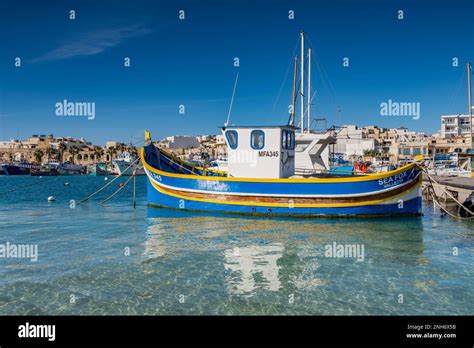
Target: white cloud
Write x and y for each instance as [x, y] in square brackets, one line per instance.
[92, 43]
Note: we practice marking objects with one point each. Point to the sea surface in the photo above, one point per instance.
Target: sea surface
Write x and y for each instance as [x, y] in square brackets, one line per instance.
[112, 258]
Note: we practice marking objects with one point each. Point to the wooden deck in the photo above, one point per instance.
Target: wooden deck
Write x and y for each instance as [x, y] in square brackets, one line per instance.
[459, 187]
[463, 183]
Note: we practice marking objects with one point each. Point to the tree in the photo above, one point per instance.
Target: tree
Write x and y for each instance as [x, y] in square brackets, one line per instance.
[370, 153]
[38, 154]
[111, 151]
[73, 150]
[50, 151]
[98, 152]
[62, 147]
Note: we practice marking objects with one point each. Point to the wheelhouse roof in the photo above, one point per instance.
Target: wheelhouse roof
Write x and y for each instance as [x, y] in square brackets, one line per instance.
[258, 127]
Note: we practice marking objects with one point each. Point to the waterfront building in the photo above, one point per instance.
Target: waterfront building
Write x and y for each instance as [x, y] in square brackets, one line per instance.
[455, 125]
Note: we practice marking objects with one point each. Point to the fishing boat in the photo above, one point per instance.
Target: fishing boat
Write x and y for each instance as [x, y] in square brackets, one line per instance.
[45, 170]
[99, 169]
[126, 165]
[18, 168]
[261, 178]
[67, 168]
[269, 186]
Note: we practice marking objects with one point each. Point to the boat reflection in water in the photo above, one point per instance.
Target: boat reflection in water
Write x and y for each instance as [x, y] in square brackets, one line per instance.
[250, 256]
[246, 263]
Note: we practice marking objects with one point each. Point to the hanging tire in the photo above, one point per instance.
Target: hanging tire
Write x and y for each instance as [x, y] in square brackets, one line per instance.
[469, 204]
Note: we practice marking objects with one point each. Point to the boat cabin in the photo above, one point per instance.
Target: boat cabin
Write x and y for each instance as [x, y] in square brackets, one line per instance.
[260, 152]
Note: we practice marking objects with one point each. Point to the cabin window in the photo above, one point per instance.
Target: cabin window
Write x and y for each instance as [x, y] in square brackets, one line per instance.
[232, 139]
[257, 139]
[288, 140]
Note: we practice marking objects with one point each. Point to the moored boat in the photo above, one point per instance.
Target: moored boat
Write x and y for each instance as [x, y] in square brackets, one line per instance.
[261, 176]
[18, 168]
[176, 184]
[45, 170]
[126, 164]
[99, 169]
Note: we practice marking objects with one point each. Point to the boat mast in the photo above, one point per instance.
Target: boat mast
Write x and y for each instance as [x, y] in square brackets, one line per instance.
[309, 89]
[302, 82]
[293, 98]
[469, 99]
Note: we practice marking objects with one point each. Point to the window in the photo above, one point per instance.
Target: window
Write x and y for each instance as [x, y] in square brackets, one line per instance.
[288, 140]
[257, 139]
[232, 139]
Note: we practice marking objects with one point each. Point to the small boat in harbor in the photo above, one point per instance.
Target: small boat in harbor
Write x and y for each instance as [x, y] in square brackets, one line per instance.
[45, 170]
[99, 169]
[67, 168]
[126, 164]
[18, 168]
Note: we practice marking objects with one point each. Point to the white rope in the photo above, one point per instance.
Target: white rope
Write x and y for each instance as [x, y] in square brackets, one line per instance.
[120, 189]
[110, 182]
[447, 192]
[232, 99]
[446, 211]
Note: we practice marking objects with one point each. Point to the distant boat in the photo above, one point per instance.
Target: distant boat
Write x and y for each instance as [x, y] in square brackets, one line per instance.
[123, 165]
[219, 164]
[45, 170]
[67, 168]
[99, 169]
[448, 165]
[18, 168]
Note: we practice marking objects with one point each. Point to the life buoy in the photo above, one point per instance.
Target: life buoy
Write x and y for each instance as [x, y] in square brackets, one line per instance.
[361, 167]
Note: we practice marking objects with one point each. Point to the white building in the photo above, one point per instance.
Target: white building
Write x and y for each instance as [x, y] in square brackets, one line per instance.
[454, 125]
[350, 141]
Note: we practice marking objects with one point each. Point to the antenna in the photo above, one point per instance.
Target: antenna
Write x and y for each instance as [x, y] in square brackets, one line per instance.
[293, 98]
[302, 82]
[309, 88]
[232, 100]
[469, 96]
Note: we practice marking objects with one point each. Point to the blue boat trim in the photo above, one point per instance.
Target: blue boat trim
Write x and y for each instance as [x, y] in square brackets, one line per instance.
[175, 184]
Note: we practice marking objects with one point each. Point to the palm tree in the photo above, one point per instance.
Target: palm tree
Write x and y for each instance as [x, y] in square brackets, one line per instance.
[49, 152]
[62, 147]
[111, 151]
[133, 150]
[98, 152]
[38, 154]
[73, 150]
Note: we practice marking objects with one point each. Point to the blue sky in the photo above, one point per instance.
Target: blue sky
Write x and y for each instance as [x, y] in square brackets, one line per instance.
[190, 62]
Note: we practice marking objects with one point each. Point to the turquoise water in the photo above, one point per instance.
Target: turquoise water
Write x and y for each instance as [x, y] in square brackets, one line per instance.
[190, 263]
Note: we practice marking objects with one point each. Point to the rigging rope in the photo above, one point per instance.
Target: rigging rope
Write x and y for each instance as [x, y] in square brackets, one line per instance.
[232, 99]
[110, 182]
[448, 193]
[286, 76]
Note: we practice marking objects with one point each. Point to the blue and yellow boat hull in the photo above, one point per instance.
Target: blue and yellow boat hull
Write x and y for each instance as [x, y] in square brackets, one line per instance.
[176, 184]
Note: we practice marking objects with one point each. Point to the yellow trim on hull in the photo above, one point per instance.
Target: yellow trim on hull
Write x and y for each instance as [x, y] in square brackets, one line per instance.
[368, 177]
[285, 205]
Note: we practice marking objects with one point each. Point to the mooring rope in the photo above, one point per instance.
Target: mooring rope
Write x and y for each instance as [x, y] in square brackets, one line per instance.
[110, 182]
[120, 189]
[449, 194]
